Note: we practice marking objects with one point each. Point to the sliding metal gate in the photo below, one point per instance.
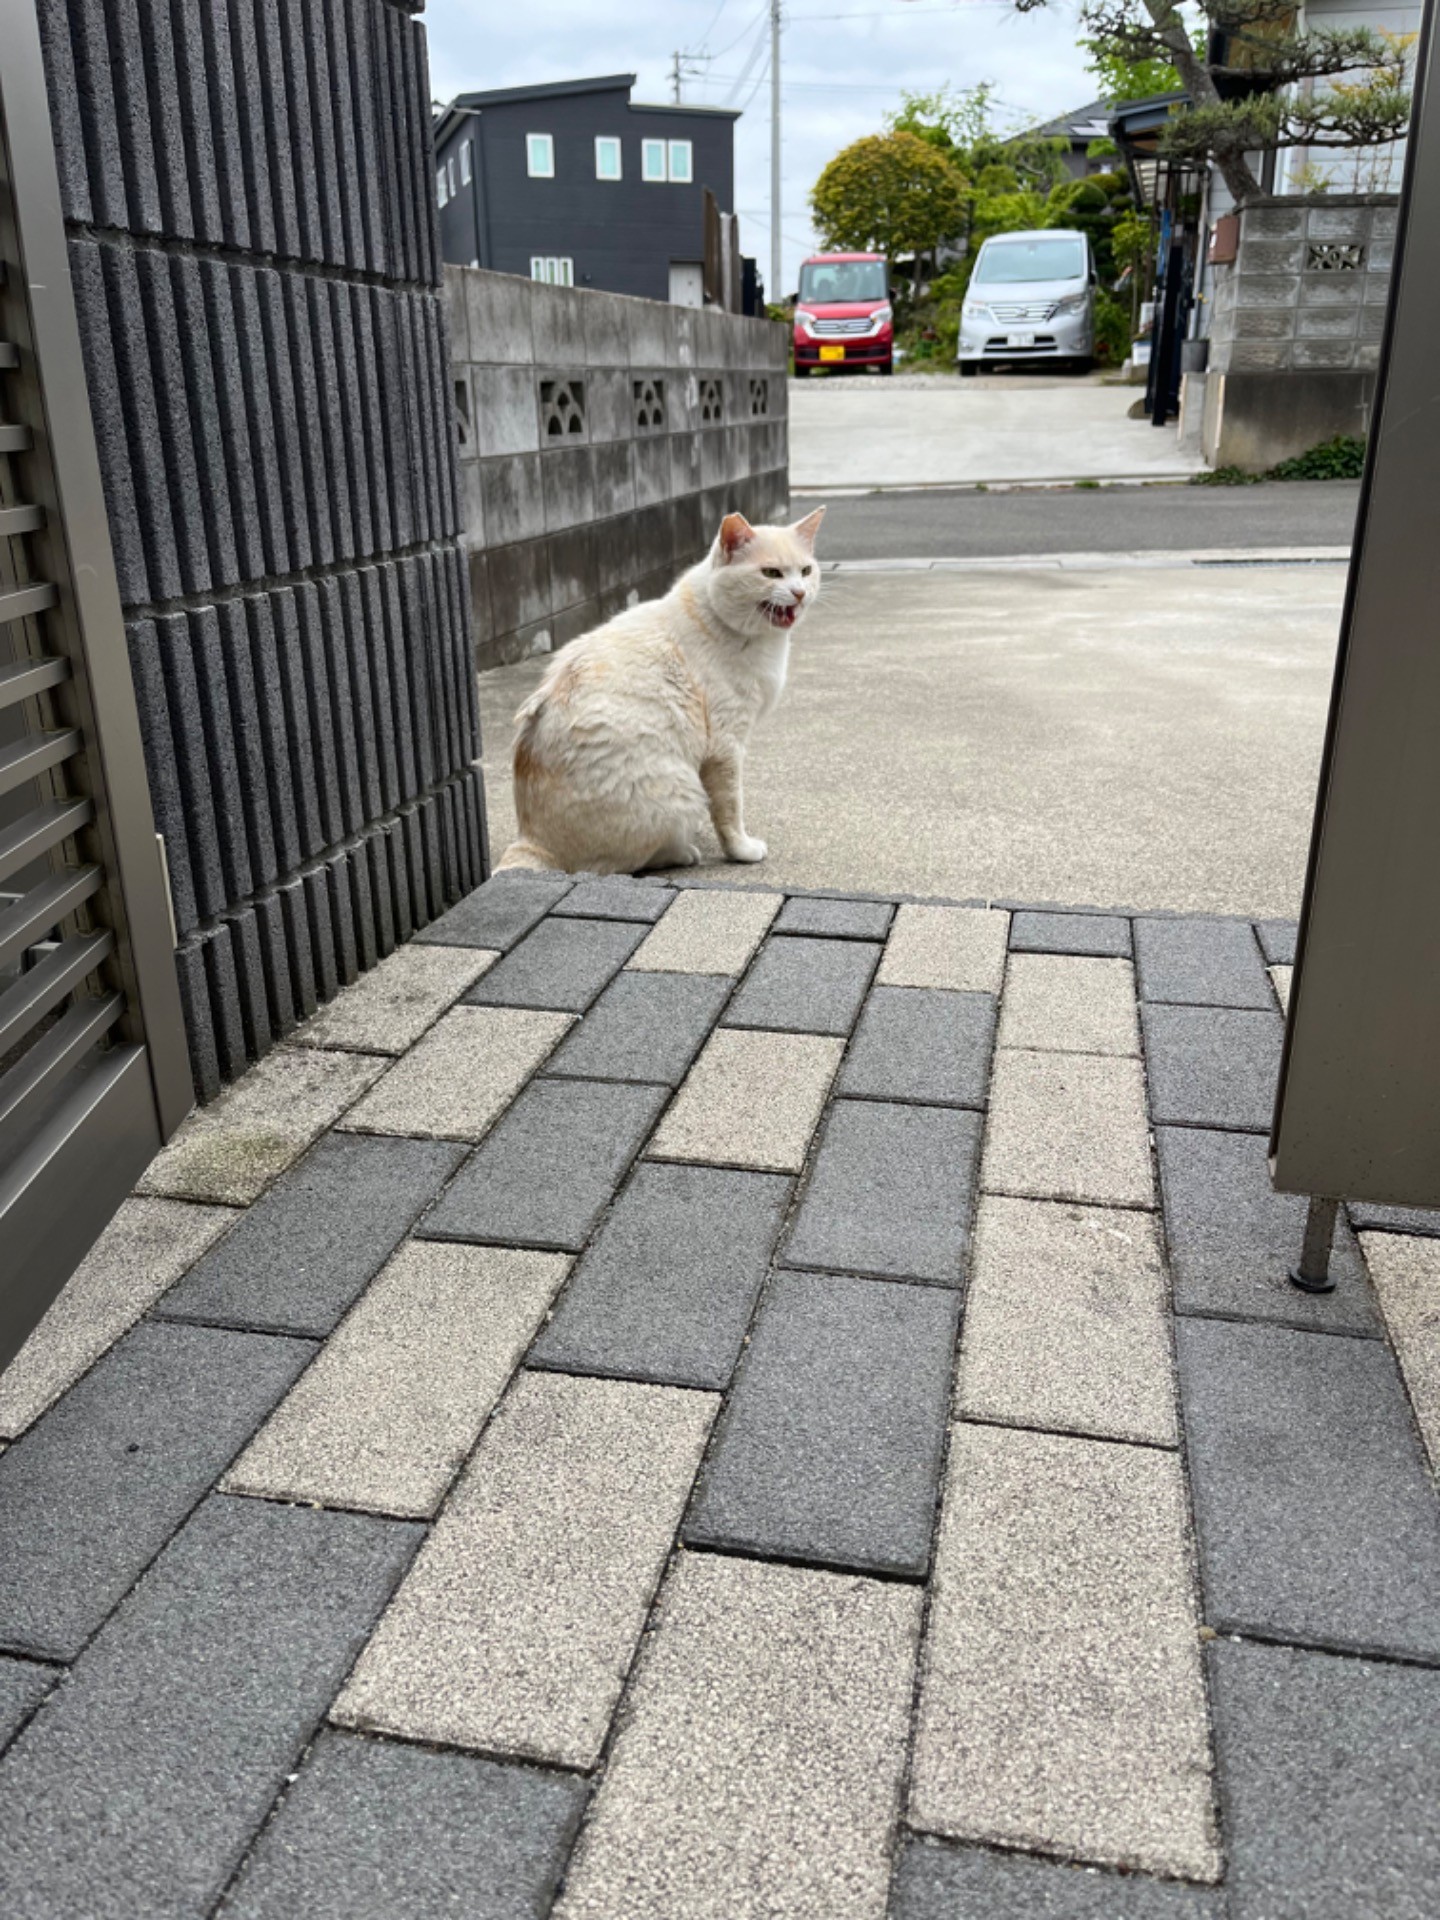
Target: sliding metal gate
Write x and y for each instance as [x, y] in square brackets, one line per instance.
[94, 1072]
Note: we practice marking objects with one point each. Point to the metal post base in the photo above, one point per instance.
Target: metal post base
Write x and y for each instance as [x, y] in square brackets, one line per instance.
[1313, 1274]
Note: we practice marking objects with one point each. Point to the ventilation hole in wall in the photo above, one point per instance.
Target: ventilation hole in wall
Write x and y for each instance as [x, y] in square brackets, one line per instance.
[462, 412]
[649, 405]
[1329, 256]
[712, 402]
[562, 408]
[759, 397]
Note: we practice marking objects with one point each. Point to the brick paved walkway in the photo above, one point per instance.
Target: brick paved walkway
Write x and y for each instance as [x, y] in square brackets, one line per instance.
[523, 1450]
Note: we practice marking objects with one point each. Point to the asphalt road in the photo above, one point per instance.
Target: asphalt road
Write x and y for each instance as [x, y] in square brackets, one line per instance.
[950, 525]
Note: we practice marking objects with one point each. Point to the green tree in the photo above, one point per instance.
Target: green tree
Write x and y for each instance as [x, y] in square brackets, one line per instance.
[1118, 80]
[890, 193]
[961, 122]
[1262, 83]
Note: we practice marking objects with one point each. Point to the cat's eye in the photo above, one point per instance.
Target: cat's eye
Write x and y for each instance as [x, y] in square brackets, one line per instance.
[807, 570]
[773, 573]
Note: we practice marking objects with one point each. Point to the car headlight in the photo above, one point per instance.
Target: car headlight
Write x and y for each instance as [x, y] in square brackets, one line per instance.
[1072, 303]
[973, 312]
[881, 317]
[804, 319]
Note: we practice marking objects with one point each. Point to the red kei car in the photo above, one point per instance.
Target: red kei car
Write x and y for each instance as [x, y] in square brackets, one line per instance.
[843, 316]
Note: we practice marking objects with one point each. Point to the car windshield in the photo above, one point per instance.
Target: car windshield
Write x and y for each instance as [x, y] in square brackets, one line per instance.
[828, 283]
[1031, 260]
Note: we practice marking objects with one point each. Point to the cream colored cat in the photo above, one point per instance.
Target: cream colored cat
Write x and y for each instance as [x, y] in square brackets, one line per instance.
[637, 733]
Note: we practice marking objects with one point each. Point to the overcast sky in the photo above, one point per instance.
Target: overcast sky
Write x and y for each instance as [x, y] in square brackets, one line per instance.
[843, 65]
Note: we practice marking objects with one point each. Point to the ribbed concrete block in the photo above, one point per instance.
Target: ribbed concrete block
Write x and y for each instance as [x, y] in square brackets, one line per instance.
[63, 90]
[107, 412]
[175, 410]
[516, 1627]
[142, 425]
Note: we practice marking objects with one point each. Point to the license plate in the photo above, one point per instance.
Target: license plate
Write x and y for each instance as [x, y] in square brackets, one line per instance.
[1019, 339]
[832, 353]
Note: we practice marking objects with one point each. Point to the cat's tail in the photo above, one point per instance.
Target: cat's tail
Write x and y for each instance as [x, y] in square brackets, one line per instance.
[526, 854]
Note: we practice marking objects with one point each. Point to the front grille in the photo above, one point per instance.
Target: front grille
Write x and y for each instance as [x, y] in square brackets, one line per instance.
[831, 328]
[1035, 310]
[999, 346]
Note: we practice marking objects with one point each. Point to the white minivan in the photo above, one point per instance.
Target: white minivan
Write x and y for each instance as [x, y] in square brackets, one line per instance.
[1031, 297]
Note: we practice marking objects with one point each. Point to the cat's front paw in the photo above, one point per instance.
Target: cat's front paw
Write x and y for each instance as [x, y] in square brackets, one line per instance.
[747, 849]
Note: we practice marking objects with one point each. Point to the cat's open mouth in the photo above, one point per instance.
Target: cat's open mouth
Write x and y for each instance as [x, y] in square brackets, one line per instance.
[779, 616]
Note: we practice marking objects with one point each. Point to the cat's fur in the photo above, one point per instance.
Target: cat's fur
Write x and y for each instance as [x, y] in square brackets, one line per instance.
[637, 734]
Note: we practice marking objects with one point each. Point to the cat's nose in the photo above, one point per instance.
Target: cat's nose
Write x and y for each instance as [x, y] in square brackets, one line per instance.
[799, 593]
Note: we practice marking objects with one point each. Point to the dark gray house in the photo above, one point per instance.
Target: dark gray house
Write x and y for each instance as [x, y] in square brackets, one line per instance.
[572, 182]
[1078, 129]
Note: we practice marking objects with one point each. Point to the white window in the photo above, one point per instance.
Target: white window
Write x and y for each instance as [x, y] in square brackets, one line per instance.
[682, 169]
[442, 193]
[652, 160]
[464, 162]
[450, 169]
[540, 155]
[607, 157]
[556, 271]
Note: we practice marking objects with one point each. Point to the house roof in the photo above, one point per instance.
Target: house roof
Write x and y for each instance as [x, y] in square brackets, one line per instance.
[467, 103]
[1090, 122]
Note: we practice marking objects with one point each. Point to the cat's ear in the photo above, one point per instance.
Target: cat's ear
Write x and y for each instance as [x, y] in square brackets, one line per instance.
[735, 532]
[807, 528]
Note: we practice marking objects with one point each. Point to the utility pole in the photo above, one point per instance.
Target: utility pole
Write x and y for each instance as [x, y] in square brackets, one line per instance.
[774, 290]
[675, 76]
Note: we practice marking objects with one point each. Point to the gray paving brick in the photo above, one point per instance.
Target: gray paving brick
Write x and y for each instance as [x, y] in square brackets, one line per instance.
[1106, 936]
[1063, 1003]
[1280, 978]
[708, 930]
[519, 1622]
[386, 1415]
[804, 985]
[457, 1081]
[1277, 941]
[1327, 1771]
[1065, 1715]
[497, 915]
[921, 1044]
[645, 1026]
[616, 897]
[751, 1100]
[563, 964]
[1314, 1511]
[138, 1788]
[372, 1830]
[1406, 1272]
[392, 1006]
[836, 919]
[935, 1881]
[957, 947]
[1212, 1066]
[1068, 1126]
[1067, 1322]
[547, 1169]
[232, 1149]
[667, 1290]
[23, 1685]
[145, 1249]
[1200, 963]
[830, 1446]
[1233, 1239]
[1365, 1216]
[761, 1750]
[307, 1249]
[92, 1492]
[890, 1194]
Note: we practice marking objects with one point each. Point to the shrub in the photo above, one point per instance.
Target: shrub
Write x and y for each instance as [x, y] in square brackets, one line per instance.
[1342, 458]
[1112, 329]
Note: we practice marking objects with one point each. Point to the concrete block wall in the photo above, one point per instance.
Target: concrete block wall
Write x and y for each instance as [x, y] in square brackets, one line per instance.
[247, 187]
[602, 440]
[1308, 286]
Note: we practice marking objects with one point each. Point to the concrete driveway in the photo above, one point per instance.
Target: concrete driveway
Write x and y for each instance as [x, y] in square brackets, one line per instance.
[936, 430]
[1142, 737]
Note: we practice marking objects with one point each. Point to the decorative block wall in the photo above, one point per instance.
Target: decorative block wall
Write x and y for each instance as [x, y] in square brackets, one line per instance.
[248, 192]
[1308, 285]
[602, 440]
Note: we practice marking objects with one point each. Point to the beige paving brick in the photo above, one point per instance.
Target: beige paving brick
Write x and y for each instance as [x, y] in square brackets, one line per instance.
[457, 1081]
[1068, 1126]
[756, 1775]
[1062, 1707]
[144, 1250]
[1405, 1271]
[389, 1008]
[706, 930]
[384, 1418]
[1280, 978]
[1067, 1322]
[958, 947]
[516, 1626]
[231, 1150]
[1060, 1004]
[752, 1099]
